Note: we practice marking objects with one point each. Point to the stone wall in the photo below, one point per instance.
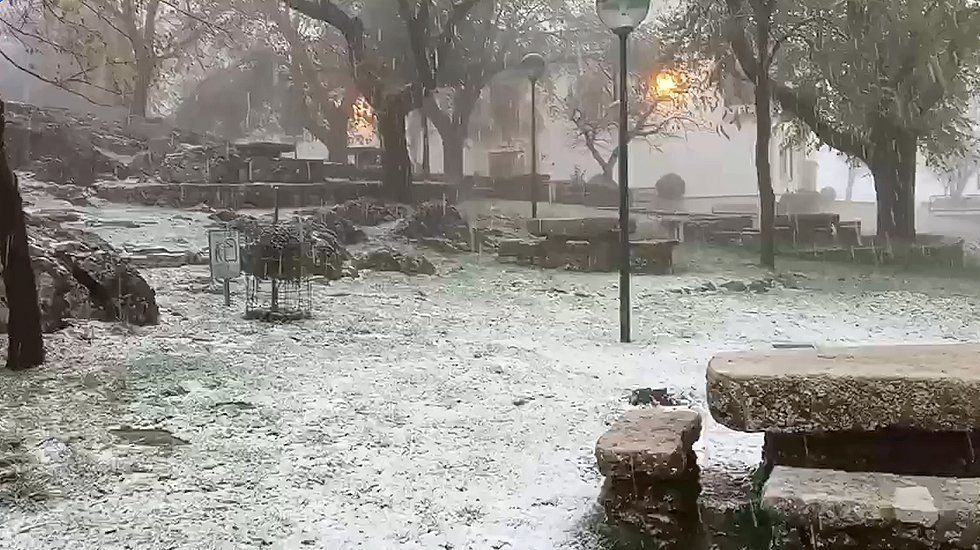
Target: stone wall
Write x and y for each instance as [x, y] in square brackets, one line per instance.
[259, 195]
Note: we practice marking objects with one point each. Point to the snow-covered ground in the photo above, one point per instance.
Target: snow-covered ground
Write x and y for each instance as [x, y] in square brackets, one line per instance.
[453, 411]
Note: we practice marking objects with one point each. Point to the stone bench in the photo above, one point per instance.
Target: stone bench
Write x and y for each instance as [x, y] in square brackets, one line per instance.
[876, 510]
[652, 473]
[930, 388]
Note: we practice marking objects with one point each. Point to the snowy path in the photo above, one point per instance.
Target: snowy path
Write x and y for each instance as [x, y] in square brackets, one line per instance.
[456, 411]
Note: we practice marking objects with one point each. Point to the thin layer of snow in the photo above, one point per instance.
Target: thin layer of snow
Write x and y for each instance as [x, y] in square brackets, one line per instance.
[390, 419]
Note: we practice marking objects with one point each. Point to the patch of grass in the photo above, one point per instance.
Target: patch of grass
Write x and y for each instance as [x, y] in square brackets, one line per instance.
[598, 534]
[756, 527]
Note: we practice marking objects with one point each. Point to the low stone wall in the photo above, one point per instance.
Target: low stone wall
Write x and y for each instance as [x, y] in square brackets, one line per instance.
[596, 255]
[823, 237]
[259, 195]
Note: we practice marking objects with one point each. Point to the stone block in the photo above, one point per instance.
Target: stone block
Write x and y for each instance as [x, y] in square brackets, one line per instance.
[876, 510]
[892, 451]
[655, 256]
[518, 248]
[665, 510]
[652, 443]
[576, 228]
[733, 223]
[917, 387]
[849, 233]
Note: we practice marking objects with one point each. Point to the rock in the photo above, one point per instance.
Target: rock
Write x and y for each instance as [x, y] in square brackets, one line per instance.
[708, 287]
[652, 443]
[148, 437]
[735, 286]
[435, 219]
[650, 396]
[894, 451]
[81, 276]
[445, 246]
[386, 259]
[922, 387]
[759, 286]
[876, 510]
[343, 228]
[224, 216]
[369, 211]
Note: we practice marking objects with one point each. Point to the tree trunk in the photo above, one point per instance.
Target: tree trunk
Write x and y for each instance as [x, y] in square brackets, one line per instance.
[336, 136]
[905, 197]
[885, 178]
[395, 161]
[25, 346]
[607, 171]
[851, 178]
[452, 156]
[141, 88]
[893, 168]
[426, 151]
[763, 114]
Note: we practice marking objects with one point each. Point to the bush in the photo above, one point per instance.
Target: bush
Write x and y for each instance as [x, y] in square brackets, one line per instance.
[828, 194]
[671, 187]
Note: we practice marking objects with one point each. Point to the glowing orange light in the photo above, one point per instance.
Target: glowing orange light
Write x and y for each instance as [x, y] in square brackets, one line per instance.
[361, 128]
[666, 85]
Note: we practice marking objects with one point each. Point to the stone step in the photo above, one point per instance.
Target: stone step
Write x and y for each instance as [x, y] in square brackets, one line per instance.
[876, 510]
[920, 387]
[652, 443]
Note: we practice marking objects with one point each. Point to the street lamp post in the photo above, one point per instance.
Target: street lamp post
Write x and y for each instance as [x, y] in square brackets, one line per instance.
[622, 16]
[534, 65]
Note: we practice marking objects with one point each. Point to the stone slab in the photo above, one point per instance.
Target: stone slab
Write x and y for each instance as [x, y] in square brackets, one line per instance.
[653, 443]
[904, 511]
[921, 387]
[518, 248]
[576, 228]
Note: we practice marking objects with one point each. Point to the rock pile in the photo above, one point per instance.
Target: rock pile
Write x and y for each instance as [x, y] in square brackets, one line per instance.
[81, 276]
[872, 445]
[63, 147]
[386, 259]
[435, 220]
[652, 474]
[366, 211]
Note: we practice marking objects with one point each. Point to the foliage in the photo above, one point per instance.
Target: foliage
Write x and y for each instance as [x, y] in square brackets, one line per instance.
[115, 51]
[877, 80]
[669, 94]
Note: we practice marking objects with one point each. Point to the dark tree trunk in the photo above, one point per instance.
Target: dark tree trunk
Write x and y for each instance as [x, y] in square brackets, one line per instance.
[395, 161]
[25, 346]
[893, 168]
[885, 177]
[336, 136]
[763, 113]
[452, 156]
[905, 196]
[426, 150]
[141, 88]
